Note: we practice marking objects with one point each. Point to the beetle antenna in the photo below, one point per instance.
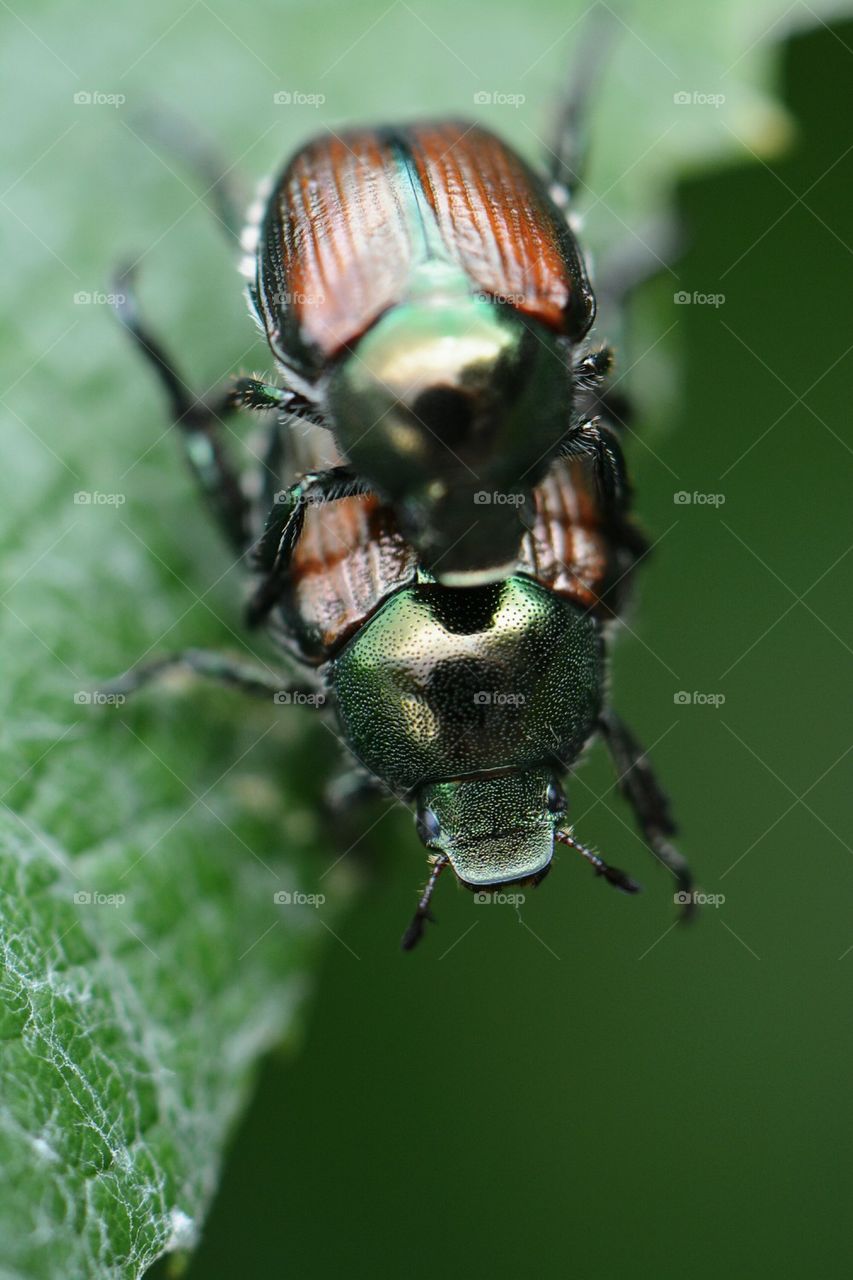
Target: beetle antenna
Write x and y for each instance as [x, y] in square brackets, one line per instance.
[611, 874]
[415, 931]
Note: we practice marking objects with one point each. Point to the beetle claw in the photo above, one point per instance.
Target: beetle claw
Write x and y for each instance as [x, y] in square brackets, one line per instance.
[619, 879]
[415, 931]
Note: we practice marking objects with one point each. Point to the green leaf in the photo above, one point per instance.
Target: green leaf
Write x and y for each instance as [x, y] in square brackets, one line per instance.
[146, 965]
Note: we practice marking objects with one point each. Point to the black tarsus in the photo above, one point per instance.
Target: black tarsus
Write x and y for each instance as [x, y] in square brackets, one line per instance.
[415, 931]
[200, 420]
[284, 527]
[640, 787]
[619, 879]
[594, 439]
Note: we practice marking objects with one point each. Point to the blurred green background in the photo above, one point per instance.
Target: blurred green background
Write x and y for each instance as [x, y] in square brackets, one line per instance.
[581, 1087]
[583, 1091]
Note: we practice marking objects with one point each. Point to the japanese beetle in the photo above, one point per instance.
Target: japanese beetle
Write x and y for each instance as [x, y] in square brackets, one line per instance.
[426, 302]
[470, 704]
[424, 297]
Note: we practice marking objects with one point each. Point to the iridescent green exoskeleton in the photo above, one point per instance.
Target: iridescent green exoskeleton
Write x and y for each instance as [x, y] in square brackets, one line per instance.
[464, 400]
[469, 702]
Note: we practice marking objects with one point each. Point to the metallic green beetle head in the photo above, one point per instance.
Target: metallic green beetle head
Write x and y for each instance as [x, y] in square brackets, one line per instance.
[452, 406]
[493, 830]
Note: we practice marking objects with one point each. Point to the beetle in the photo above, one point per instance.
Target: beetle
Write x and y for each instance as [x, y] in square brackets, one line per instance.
[426, 300]
[424, 296]
[461, 643]
[470, 704]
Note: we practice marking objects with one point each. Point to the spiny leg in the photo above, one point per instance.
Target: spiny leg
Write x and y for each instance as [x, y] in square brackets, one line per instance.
[284, 528]
[641, 789]
[415, 931]
[200, 420]
[620, 879]
[590, 369]
[247, 677]
[273, 465]
[593, 396]
[593, 438]
[603, 415]
[566, 158]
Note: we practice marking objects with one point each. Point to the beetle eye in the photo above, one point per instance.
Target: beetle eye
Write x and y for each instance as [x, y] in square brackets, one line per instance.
[428, 826]
[555, 798]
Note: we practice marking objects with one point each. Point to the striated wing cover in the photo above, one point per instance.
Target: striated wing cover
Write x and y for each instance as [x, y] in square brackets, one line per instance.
[353, 214]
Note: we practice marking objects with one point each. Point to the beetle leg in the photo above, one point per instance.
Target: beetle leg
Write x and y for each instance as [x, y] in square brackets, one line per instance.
[252, 393]
[284, 527]
[593, 367]
[272, 465]
[612, 875]
[415, 931]
[641, 789]
[199, 426]
[566, 158]
[348, 789]
[600, 441]
[200, 421]
[589, 372]
[593, 438]
[247, 677]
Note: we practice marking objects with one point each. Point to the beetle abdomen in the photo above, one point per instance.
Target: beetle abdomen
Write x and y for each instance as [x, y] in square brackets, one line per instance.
[353, 215]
